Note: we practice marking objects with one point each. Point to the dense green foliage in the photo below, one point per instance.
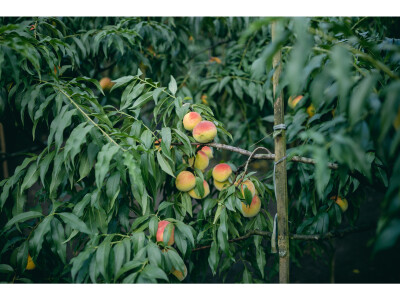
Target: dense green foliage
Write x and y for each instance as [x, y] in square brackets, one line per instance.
[104, 185]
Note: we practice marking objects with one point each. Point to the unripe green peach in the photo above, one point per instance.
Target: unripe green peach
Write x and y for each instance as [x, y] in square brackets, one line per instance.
[185, 181]
[194, 195]
[253, 209]
[207, 150]
[342, 202]
[221, 185]
[178, 274]
[190, 120]
[160, 232]
[221, 172]
[249, 185]
[201, 162]
[204, 132]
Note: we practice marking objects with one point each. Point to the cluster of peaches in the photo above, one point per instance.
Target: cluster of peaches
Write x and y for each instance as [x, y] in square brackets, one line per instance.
[205, 132]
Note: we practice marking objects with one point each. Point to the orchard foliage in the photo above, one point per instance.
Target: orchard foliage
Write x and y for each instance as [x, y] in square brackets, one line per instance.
[108, 167]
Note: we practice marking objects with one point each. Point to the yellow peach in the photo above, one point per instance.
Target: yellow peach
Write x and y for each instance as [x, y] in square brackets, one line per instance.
[207, 150]
[250, 186]
[221, 185]
[185, 181]
[201, 162]
[190, 120]
[194, 195]
[253, 209]
[221, 172]
[204, 132]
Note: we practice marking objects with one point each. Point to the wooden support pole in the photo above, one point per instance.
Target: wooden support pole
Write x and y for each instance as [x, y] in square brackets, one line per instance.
[280, 170]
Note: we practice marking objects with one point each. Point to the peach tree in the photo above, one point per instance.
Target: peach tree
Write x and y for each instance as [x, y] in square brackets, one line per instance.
[140, 178]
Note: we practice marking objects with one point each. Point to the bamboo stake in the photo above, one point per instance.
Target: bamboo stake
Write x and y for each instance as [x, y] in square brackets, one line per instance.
[280, 169]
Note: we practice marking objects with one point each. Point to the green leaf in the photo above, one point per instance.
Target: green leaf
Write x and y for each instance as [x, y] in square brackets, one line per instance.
[167, 233]
[154, 254]
[136, 180]
[22, 217]
[80, 206]
[39, 234]
[172, 86]
[248, 196]
[246, 276]
[119, 256]
[75, 140]
[260, 255]
[213, 257]
[185, 230]
[30, 178]
[75, 222]
[130, 265]
[322, 172]
[102, 255]
[153, 226]
[164, 164]
[44, 165]
[121, 81]
[142, 100]
[176, 260]
[166, 136]
[6, 269]
[151, 272]
[180, 242]
[103, 162]
[58, 236]
[157, 93]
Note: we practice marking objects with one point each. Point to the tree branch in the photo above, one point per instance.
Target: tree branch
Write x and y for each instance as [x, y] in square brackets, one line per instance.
[301, 159]
[304, 237]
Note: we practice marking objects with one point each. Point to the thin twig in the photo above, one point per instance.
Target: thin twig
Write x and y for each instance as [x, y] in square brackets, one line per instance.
[304, 237]
[93, 122]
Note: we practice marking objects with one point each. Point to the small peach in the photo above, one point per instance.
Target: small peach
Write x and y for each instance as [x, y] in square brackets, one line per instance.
[106, 83]
[194, 195]
[185, 181]
[160, 232]
[221, 172]
[190, 120]
[253, 209]
[204, 132]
